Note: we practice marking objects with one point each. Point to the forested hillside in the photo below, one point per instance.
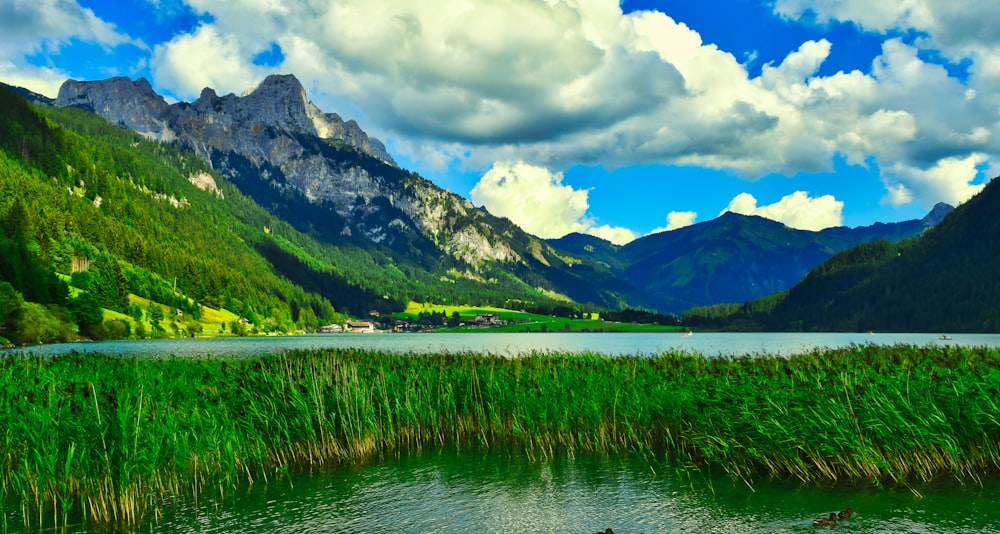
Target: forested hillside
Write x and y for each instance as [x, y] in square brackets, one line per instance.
[123, 212]
[91, 213]
[944, 280]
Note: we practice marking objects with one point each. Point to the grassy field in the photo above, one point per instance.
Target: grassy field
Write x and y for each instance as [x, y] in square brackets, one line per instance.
[518, 321]
[106, 441]
[210, 322]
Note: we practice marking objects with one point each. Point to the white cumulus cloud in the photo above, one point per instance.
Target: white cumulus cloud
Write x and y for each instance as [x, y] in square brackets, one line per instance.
[949, 180]
[957, 27]
[535, 199]
[30, 25]
[206, 58]
[42, 80]
[555, 83]
[44, 26]
[563, 82]
[677, 219]
[615, 234]
[797, 210]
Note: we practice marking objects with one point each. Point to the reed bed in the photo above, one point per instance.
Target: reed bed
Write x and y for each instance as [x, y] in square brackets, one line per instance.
[108, 441]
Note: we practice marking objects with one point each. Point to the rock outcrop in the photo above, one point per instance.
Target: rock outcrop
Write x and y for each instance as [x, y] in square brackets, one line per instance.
[227, 122]
[134, 105]
[273, 126]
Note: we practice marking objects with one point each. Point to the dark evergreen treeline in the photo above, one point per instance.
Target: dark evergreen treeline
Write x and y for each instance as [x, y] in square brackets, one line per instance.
[351, 299]
[640, 316]
[20, 265]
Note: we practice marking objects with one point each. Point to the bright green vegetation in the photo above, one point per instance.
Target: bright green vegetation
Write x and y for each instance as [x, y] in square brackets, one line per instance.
[106, 440]
[558, 324]
[83, 197]
[463, 319]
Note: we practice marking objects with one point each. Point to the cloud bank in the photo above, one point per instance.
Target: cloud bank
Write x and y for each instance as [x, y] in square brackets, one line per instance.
[677, 219]
[29, 27]
[563, 82]
[566, 82]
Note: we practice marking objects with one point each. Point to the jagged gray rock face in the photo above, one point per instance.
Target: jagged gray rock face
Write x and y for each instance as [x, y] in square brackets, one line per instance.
[120, 100]
[266, 125]
[227, 122]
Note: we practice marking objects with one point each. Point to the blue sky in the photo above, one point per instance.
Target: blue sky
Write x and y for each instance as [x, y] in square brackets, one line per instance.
[615, 119]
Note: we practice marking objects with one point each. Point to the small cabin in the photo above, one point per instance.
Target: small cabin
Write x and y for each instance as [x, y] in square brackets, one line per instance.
[364, 327]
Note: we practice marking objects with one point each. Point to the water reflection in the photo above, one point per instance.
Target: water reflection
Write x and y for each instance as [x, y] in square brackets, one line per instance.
[497, 493]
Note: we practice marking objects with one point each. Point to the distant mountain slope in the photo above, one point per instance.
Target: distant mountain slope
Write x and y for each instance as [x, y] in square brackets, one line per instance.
[945, 280]
[28, 94]
[732, 258]
[594, 248]
[329, 179]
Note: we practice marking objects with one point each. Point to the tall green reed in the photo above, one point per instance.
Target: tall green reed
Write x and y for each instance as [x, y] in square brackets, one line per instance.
[105, 440]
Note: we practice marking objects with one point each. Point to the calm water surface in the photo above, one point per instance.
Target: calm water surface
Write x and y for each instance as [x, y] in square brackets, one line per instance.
[510, 344]
[448, 492]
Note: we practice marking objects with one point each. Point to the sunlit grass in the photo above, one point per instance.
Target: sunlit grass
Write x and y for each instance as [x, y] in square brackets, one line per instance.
[518, 321]
[105, 439]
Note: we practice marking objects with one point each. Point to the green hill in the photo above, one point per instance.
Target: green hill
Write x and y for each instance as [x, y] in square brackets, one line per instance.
[80, 196]
[944, 280]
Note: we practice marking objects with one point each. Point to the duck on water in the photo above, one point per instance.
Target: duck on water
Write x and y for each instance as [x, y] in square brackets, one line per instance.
[834, 516]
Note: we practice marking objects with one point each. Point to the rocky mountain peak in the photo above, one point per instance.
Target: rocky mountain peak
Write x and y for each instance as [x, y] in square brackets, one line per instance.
[207, 95]
[280, 87]
[133, 104]
[937, 214]
[279, 102]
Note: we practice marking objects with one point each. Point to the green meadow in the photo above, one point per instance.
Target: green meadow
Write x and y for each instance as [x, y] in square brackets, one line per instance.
[106, 441]
[519, 321]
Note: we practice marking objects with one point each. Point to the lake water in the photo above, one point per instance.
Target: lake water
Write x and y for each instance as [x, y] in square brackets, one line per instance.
[448, 492]
[496, 493]
[511, 344]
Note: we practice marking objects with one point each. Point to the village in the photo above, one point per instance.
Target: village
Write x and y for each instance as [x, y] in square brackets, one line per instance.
[481, 320]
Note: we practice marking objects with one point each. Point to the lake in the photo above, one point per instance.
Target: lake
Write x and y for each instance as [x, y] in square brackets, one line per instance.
[494, 492]
[511, 344]
[449, 492]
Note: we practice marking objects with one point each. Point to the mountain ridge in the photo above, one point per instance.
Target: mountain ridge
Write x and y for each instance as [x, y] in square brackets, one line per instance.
[732, 258]
[338, 190]
[344, 188]
[278, 101]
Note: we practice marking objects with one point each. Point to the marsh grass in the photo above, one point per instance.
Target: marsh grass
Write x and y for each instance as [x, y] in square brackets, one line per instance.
[102, 440]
